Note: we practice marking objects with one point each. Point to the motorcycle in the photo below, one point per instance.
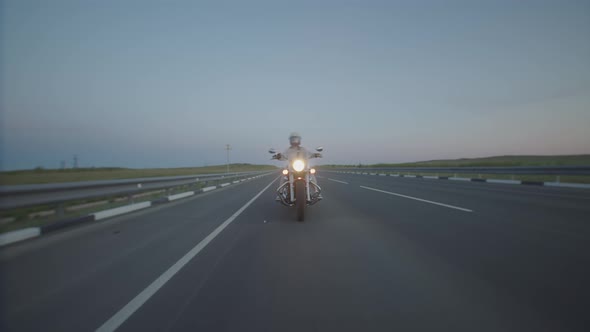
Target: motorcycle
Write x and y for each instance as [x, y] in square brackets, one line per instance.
[298, 189]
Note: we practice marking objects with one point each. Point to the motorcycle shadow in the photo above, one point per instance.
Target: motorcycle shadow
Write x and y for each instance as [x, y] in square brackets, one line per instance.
[287, 214]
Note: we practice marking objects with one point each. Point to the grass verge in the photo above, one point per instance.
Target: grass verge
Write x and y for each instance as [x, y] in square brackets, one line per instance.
[40, 176]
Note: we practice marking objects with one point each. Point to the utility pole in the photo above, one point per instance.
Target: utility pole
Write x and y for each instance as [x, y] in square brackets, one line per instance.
[227, 148]
[75, 165]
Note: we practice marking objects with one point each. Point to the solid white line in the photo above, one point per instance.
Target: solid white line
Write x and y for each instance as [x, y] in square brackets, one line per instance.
[224, 184]
[338, 181]
[418, 199]
[120, 317]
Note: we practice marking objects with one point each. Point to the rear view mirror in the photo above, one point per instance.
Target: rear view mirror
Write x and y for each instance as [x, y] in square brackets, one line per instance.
[272, 151]
[319, 149]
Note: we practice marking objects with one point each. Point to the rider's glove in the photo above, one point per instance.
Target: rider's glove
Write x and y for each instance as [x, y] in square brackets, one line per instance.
[277, 156]
[317, 155]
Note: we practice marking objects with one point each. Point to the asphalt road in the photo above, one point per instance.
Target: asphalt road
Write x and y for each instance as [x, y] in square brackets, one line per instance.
[377, 254]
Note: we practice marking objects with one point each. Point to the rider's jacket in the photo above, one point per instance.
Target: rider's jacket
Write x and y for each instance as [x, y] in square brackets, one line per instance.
[295, 152]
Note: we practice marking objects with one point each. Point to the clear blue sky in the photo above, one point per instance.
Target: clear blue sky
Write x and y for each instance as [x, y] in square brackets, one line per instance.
[169, 83]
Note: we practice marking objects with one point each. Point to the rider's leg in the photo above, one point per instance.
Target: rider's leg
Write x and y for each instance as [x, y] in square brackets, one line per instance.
[313, 180]
[282, 181]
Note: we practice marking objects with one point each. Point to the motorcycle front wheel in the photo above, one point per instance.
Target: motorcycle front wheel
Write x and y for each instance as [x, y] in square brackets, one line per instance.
[300, 200]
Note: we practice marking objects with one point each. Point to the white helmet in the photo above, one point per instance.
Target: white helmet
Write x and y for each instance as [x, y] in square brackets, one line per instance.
[295, 139]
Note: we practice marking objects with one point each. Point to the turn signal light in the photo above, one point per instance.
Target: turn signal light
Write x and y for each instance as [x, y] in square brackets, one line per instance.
[312, 171]
[285, 172]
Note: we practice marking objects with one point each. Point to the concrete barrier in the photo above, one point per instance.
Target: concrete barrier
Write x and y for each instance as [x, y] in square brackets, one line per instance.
[459, 179]
[503, 181]
[181, 195]
[206, 189]
[121, 210]
[20, 235]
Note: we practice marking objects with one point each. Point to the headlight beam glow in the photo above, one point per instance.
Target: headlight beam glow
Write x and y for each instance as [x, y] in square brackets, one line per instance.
[298, 165]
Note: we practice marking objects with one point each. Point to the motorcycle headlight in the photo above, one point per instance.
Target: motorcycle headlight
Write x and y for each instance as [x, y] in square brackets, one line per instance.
[298, 165]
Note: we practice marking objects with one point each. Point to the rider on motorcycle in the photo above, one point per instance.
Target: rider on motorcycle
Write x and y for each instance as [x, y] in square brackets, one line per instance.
[291, 152]
[296, 150]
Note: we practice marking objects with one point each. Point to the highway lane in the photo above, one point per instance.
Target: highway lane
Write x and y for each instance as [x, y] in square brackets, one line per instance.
[532, 206]
[73, 280]
[531, 242]
[364, 260]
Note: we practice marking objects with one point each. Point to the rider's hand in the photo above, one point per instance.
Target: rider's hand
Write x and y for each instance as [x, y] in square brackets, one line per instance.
[277, 156]
[317, 155]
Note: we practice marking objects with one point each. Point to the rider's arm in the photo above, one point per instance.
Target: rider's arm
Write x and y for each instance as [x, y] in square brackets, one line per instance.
[313, 155]
[282, 156]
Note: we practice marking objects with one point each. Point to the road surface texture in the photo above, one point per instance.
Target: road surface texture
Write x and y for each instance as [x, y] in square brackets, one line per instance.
[377, 254]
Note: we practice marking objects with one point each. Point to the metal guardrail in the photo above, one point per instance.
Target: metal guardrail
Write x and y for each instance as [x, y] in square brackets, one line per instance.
[16, 189]
[55, 194]
[541, 170]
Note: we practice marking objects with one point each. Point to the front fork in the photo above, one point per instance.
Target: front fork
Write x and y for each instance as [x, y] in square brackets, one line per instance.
[290, 185]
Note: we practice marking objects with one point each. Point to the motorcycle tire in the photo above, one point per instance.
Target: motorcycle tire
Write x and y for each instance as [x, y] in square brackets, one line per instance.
[300, 200]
